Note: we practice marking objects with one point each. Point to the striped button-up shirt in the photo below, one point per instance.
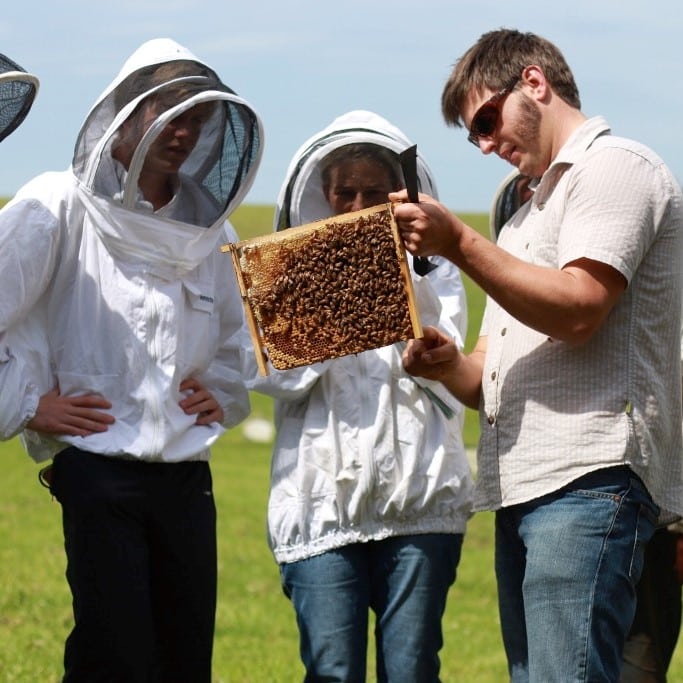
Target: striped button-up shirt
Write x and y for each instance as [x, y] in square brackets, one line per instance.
[552, 412]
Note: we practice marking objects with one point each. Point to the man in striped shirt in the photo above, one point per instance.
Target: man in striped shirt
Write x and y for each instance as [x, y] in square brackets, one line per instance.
[575, 373]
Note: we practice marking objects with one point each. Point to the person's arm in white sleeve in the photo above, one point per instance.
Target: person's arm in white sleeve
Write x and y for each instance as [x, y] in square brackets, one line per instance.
[29, 243]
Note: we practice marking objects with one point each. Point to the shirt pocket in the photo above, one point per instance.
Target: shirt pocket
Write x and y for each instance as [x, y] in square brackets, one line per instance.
[200, 298]
[199, 335]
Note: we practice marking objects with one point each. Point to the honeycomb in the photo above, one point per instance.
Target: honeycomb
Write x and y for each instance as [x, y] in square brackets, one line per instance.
[326, 289]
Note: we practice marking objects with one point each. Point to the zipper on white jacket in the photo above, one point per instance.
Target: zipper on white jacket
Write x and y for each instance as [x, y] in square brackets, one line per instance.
[152, 320]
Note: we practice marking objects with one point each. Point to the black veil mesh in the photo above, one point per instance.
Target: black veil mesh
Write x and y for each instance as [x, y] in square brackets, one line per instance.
[239, 152]
[16, 95]
[506, 203]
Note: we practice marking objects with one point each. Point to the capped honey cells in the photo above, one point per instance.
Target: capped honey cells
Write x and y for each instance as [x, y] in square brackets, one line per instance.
[327, 289]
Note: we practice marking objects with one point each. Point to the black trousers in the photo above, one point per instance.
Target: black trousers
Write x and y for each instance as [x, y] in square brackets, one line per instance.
[140, 542]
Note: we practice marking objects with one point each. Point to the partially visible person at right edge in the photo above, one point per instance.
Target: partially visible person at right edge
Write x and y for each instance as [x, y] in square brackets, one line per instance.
[656, 626]
[574, 373]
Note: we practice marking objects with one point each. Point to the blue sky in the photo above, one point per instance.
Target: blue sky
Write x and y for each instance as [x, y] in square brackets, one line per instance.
[302, 63]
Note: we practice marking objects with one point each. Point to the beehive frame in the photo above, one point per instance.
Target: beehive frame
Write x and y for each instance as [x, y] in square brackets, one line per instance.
[326, 289]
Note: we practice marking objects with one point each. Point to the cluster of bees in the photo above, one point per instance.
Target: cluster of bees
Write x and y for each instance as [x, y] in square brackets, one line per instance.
[328, 292]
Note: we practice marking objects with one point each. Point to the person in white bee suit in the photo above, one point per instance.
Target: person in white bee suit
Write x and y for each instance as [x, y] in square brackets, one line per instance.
[18, 90]
[133, 321]
[370, 485]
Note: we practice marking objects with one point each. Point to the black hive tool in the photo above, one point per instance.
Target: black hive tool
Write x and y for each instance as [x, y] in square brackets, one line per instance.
[408, 159]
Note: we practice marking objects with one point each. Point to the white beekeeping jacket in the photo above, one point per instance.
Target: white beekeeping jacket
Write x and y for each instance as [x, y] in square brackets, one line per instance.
[132, 300]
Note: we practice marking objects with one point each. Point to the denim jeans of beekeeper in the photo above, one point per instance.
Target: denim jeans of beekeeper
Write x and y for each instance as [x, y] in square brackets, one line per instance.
[404, 580]
[567, 566]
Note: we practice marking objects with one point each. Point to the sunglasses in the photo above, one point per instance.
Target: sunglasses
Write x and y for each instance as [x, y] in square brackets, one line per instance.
[485, 119]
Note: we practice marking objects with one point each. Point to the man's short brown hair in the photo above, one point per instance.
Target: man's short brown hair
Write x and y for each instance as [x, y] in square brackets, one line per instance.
[495, 59]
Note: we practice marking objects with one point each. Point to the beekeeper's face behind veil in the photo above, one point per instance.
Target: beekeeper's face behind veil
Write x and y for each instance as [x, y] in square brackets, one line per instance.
[168, 124]
[358, 176]
[168, 151]
[312, 191]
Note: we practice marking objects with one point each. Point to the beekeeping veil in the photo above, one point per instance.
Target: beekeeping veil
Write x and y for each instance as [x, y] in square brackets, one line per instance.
[220, 168]
[507, 199]
[301, 198]
[18, 89]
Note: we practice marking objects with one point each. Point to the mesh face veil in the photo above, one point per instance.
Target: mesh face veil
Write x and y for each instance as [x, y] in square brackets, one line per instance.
[18, 90]
[512, 192]
[144, 103]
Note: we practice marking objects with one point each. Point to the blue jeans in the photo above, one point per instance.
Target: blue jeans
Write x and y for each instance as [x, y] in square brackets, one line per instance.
[404, 580]
[567, 566]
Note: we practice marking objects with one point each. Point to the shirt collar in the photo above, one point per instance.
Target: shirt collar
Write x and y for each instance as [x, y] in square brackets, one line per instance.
[580, 140]
[572, 150]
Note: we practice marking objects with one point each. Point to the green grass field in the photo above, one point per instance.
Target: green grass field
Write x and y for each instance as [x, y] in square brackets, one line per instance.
[256, 636]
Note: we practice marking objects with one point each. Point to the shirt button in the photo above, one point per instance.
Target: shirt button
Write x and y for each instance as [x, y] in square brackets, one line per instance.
[491, 419]
[503, 332]
[493, 375]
